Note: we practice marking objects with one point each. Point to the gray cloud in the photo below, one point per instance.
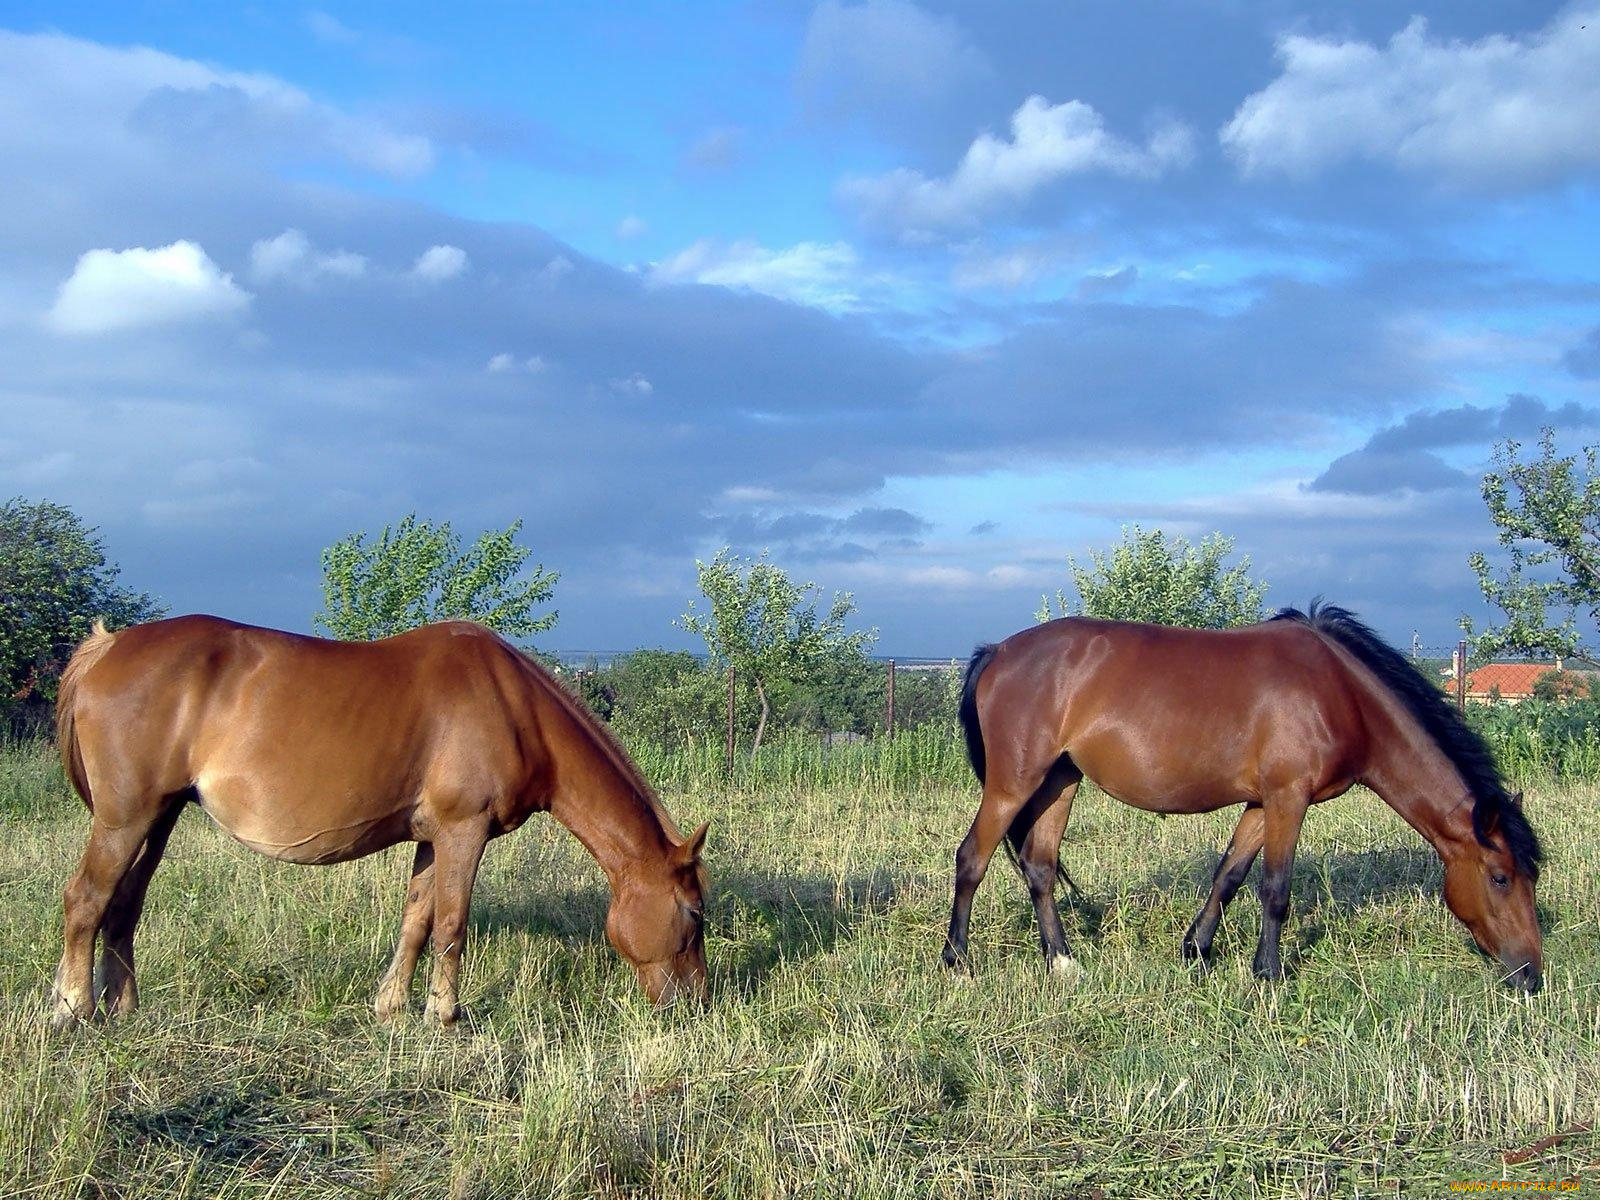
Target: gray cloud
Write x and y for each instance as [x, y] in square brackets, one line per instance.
[890, 65]
[1583, 360]
[809, 535]
[1399, 457]
[716, 149]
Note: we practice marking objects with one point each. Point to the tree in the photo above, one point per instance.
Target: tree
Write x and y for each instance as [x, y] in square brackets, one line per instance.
[1165, 581]
[1547, 511]
[665, 697]
[416, 572]
[55, 580]
[767, 627]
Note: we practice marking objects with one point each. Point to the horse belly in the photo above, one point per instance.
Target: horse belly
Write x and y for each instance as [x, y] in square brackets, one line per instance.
[1145, 774]
[308, 826]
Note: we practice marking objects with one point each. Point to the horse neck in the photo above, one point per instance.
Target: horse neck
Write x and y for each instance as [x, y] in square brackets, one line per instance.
[1414, 777]
[603, 806]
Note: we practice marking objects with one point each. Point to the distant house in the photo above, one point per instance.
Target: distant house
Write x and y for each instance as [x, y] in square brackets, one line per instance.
[1512, 683]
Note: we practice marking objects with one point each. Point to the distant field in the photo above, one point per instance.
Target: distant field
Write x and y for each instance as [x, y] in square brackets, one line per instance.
[837, 1058]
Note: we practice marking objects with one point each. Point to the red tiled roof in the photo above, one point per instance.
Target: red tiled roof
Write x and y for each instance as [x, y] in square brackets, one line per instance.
[1514, 679]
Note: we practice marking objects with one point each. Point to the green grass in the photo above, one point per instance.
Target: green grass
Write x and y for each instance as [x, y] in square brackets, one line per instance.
[837, 1058]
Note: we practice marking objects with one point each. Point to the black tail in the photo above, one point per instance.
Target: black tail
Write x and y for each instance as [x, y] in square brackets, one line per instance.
[1017, 835]
[969, 708]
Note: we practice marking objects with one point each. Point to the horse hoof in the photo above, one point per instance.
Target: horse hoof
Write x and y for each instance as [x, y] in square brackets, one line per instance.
[387, 1008]
[444, 1015]
[63, 1019]
[1066, 967]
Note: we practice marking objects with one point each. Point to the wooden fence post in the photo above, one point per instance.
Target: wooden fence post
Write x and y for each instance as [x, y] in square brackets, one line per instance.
[731, 678]
[889, 725]
[1461, 675]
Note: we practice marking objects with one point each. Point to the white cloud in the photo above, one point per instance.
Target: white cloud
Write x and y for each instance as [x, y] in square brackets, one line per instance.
[327, 28]
[502, 364]
[1012, 267]
[290, 257]
[633, 385]
[1501, 109]
[632, 227]
[131, 289]
[438, 263]
[1048, 142]
[816, 273]
[554, 271]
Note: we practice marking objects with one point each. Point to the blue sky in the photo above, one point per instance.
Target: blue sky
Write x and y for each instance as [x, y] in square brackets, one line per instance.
[922, 298]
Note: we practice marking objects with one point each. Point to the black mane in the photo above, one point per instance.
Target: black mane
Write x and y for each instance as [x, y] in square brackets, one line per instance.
[1492, 807]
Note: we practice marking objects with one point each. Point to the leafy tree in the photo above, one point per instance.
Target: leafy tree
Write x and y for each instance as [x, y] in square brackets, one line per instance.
[767, 627]
[1547, 510]
[666, 697]
[55, 580]
[417, 572]
[1164, 581]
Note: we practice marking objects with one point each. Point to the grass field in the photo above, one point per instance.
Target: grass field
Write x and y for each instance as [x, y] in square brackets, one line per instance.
[836, 1058]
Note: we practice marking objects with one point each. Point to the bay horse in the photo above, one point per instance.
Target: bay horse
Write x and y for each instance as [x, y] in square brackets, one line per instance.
[317, 751]
[1276, 716]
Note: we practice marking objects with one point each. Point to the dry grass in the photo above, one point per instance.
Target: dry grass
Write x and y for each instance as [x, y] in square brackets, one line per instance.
[837, 1059]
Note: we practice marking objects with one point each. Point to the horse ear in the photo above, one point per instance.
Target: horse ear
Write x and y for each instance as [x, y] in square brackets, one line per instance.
[1516, 798]
[692, 845]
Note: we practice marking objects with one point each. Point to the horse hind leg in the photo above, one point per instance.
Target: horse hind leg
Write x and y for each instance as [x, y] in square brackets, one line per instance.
[1235, 864]
[108, 856]
[1039, 857]
[416, 923]
[1004, 797]
[118, 986]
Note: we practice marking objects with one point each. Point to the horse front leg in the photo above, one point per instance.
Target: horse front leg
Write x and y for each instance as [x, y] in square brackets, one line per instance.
[416, 922]
[1284, 815]
[457, 852]
[1236, 862]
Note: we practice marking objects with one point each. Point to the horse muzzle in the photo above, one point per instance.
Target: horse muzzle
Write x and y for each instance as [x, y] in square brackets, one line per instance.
[1524, 975]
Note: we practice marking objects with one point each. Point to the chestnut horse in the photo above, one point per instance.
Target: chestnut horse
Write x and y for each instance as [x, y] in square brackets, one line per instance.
[316, 751]
[1277, 717]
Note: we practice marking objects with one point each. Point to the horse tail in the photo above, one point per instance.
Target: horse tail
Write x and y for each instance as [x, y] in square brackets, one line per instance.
[969, 709]
[83, 658]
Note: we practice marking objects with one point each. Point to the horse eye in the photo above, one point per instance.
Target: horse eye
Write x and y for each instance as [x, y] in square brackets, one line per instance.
[1499, 880]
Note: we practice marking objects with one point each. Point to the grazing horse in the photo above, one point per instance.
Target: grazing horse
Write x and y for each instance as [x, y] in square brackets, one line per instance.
[1277, 717]
[315, 751]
